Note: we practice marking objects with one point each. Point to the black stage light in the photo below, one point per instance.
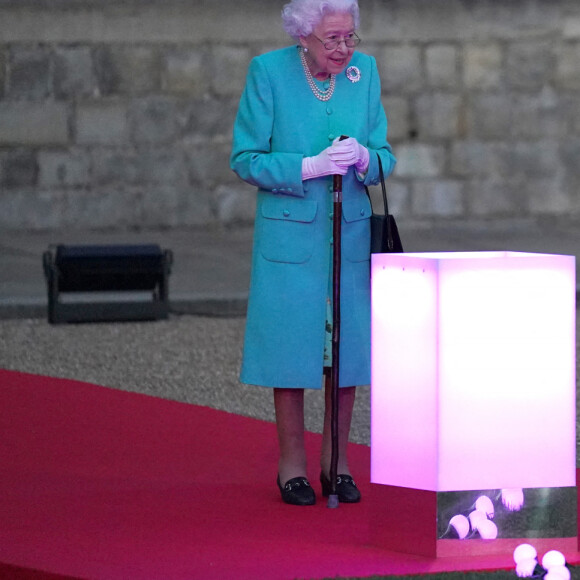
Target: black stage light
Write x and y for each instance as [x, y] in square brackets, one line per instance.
[90, 283]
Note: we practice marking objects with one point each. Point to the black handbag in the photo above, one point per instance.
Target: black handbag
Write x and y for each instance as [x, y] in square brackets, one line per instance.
[385, 236]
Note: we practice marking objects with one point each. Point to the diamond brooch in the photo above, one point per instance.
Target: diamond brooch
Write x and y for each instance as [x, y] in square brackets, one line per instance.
[353, 74]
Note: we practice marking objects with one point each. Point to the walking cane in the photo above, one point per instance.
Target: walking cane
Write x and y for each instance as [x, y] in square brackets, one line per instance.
[336, 260]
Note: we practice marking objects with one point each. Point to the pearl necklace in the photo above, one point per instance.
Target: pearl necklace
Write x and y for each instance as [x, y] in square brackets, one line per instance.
[320, 95]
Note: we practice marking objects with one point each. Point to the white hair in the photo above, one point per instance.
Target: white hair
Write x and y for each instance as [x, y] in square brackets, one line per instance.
[300, 17]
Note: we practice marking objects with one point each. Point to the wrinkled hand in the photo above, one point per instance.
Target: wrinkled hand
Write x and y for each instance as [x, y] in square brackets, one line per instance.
[322, 164]
[350, 152]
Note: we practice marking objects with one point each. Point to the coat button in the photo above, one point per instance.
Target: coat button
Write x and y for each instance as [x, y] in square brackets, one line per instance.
[286, 213]
[362, 212]
[330, 216]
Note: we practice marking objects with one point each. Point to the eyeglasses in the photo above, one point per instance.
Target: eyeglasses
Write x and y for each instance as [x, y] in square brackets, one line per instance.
[350, 41]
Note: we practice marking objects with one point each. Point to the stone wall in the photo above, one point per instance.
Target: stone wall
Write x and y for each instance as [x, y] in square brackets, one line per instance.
[118, 114]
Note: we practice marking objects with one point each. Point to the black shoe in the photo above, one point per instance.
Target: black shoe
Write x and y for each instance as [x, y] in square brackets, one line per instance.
[346, 488]
[297, 491]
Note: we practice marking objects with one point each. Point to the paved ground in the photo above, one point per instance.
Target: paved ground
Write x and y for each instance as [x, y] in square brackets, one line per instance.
[212, 266]
[194, 355]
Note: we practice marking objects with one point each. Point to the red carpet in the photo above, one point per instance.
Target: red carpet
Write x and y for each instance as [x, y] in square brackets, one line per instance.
[103, 484]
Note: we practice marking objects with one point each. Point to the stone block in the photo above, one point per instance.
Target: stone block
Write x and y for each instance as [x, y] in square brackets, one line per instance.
[74, 75]
[398, 111]
[539, 115]
[529, 64]
[151, 167]
[185, 72]
[400, 69]
[568, 66]
[530, 160]
[569, 156]
[476, 158]
[154, 21]
[101, 122]
[412, 21]
[482, 66]
[489, 116]
[548, 196]
[30, 209]
[153, 120]
[127, 70]
[29, 77]
[19, 169]
[209, 165]
[64, 169]
[2, 71]
[25, 123]
[495, 197]
[442, 66]
[441, 198]
[175, 207]
[235, 203]
[438, 115]
[571, 29]
[398, 198]
[118, 167]
[570, 112]
[229, 67]
[102, 208]
[163, 166]
[489, 19]
[211, 118]
[420, 161]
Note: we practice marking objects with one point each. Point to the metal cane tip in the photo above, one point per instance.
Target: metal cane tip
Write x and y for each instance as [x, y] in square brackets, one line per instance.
[332, 501]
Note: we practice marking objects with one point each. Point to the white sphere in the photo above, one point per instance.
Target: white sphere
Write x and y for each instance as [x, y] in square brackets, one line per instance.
[524, 552]
[525, 568]
[553, 558]
[487, 530]
[558, 573]
[512, 499]
[461, 525]
[484, 504]
[476, 517]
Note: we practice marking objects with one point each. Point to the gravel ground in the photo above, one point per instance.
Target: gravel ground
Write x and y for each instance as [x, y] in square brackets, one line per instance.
[185, 358]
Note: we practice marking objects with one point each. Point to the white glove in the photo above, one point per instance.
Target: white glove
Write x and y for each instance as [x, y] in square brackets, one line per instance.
[320, 165]
[350, 152]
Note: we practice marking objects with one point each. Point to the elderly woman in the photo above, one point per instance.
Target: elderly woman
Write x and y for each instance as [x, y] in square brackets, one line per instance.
[297, 103]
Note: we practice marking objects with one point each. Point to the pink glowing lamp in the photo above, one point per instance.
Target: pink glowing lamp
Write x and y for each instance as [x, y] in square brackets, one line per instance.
[471, 353]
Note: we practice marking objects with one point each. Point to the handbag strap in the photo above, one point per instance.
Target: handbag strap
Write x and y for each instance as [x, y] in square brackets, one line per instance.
[389, 230]
[383, 187]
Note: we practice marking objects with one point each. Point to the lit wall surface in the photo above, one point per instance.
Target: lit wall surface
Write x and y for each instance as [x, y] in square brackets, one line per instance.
[473, 370]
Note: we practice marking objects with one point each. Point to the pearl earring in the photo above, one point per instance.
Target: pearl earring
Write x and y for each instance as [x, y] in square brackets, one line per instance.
[305, 50]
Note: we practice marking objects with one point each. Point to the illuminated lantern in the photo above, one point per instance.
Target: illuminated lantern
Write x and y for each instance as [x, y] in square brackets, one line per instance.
[473, 383]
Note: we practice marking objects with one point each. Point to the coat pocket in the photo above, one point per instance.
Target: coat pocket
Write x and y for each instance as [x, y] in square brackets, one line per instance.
[286, 229]
[356, 215]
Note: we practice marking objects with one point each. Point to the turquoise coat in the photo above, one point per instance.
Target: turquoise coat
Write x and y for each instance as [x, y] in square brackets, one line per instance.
[279, 122]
